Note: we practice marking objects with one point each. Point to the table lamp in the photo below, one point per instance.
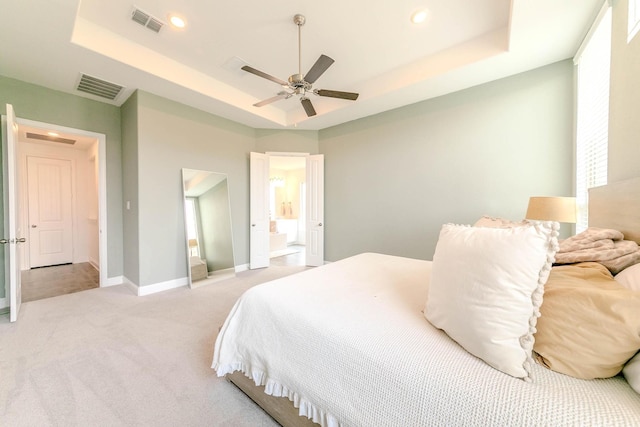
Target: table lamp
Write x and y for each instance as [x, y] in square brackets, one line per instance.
[193, 243]
[561, 209]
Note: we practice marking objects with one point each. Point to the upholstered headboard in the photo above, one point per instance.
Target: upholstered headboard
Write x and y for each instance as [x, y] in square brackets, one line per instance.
[617, 206]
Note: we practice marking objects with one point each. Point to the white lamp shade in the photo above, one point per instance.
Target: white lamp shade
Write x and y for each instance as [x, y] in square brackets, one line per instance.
[561, 209]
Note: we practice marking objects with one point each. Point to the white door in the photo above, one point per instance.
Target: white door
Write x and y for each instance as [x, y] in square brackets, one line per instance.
[259, 211]
[315, 211]
[50, 211]
[11, 214]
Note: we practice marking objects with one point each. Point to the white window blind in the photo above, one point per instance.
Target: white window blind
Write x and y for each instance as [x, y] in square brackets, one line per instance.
[634, 19]
[592, 121]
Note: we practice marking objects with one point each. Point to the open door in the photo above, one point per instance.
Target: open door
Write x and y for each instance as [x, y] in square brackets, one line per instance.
[11, 214]
[259, 210]
[315, 210]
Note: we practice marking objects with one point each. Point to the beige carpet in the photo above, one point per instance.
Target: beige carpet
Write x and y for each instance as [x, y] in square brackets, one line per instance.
[105, 357]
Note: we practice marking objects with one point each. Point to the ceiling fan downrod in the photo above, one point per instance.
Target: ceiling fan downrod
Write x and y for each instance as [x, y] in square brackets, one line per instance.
[299, 20]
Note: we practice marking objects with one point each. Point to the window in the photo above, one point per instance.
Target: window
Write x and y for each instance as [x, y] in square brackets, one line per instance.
[592, 105]
[634, 19]
[191, 219]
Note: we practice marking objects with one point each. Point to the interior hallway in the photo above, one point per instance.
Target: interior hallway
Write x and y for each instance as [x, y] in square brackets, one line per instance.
[47, 282]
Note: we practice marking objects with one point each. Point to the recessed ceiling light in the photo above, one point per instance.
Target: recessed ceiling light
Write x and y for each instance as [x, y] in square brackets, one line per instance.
[419, 16]
[177, 21]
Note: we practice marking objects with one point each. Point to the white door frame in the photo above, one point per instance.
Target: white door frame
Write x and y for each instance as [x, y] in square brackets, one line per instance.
[13, 234]
[102, 184]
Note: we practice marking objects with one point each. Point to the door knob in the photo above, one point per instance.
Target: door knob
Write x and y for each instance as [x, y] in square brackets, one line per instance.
[320, 224]
[253, 225]
[33, 226]
[3, 241]
[21, 240]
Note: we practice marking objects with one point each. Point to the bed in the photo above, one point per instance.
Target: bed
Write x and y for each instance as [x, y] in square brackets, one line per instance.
[347, 344]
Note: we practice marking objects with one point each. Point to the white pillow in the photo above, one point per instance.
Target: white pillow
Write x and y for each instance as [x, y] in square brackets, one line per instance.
[631, 372]
[486, 289]
[630, 277]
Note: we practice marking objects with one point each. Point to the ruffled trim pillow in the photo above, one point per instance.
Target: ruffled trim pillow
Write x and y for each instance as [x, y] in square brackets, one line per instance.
[486, 289]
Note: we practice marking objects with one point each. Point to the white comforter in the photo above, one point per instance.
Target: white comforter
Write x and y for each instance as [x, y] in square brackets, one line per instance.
[348, 344]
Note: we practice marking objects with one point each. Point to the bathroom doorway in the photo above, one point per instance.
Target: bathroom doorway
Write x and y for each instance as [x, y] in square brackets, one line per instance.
[287, 204]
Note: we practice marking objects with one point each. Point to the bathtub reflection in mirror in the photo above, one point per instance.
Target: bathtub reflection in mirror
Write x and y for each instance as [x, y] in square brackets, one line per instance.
[209, 239]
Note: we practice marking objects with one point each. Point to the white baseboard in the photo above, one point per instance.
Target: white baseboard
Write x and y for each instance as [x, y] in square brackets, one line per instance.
[112, 281]
[156, 287]
[241, 268]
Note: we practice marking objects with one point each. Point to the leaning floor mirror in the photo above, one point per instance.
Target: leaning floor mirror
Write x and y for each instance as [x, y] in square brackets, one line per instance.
[209, 240]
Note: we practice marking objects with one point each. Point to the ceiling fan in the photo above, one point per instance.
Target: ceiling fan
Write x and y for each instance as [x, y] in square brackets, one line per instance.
[299, 84]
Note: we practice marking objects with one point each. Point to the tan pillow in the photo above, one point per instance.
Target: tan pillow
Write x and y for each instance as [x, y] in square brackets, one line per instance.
[589, 325]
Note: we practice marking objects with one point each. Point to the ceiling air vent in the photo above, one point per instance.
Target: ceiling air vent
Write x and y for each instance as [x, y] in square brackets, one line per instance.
[59, 139]
[146, 20]
[97, 87]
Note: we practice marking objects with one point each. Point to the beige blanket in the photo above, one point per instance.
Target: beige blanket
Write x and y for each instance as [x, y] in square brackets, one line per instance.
[602, 245]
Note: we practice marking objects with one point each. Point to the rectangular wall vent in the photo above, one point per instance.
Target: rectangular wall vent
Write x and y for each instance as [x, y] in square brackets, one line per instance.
[146, 20]
[98, 87]
[31, 135]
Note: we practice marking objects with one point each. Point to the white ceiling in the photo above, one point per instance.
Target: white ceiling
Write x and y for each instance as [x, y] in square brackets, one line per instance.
[378, 52]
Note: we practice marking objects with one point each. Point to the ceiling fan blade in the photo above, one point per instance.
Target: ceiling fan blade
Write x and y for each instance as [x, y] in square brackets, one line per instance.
[337, 94]
[308, 107]
[264, 75]
[279, 96]
[318, 68]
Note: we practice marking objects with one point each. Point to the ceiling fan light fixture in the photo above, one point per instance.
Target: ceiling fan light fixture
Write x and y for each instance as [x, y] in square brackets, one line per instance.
[419, 16]
[301, 84]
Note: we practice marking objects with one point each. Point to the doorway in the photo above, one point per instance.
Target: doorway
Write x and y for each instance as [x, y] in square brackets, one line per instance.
[62, 197]
[261, 219]
[287, 204]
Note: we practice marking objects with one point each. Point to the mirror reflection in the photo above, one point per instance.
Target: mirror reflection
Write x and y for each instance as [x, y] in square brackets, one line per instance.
[208, 226]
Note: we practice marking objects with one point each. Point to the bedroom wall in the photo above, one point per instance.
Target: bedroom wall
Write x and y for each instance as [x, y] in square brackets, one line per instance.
[288, 140]
[393, 179]
[130, 178]
[45, 105]
[624, 126]
[172, 136]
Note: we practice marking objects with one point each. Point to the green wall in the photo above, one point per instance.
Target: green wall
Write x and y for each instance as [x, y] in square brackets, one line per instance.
[130, 177]
[172, 136]
[393, 179]
[49, 106]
